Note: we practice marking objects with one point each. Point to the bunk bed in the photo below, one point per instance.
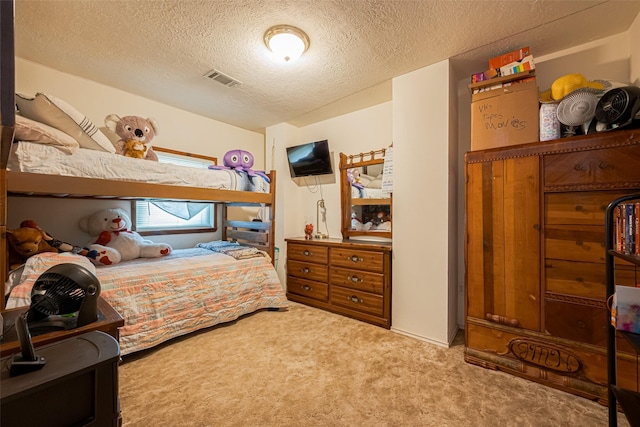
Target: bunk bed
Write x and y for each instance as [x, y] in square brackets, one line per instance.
[264, 291]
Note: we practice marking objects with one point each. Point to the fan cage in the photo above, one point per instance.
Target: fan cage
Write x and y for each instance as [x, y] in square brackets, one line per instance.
[612, 106]
[55, 293]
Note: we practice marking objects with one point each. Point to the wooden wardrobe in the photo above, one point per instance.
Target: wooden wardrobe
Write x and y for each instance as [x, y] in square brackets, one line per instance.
[535, 258]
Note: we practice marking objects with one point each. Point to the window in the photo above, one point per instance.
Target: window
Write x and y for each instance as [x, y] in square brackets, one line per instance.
[162, 217]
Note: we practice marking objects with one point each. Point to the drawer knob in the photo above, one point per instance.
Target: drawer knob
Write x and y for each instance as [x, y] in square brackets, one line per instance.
[502, 319]
[355, 279]
[603, 165]
[579, 208]
[355, 258]
[306, 288]
[579, 243]
[306, 253]
[578, 167]
[580, 279]
[354, 299]
[306, 270]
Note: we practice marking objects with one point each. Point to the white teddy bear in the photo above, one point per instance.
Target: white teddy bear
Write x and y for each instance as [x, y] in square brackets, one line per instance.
[111, 236]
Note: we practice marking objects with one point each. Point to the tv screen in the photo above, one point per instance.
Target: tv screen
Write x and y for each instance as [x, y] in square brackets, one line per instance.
[313, 158]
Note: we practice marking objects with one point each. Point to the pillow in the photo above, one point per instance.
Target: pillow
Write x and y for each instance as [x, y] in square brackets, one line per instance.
[30, 130]
[57, 113]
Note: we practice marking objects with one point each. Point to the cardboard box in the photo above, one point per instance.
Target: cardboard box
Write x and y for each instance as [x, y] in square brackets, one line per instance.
[625, 309]
[514, 56]
[506, 115]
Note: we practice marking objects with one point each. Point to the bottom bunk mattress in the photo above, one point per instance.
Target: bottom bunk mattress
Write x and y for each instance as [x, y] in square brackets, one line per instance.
[163, 298]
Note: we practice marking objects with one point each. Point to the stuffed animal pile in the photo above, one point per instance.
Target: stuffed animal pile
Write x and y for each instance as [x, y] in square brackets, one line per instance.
[135, 135]
[30, 239]
[112, 238]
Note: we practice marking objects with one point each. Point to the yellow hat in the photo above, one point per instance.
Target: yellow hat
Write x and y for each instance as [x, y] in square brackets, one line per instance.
[564, 85]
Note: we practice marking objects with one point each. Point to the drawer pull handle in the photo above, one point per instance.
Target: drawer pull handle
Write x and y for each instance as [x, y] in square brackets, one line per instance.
[579, 208]
[306, 288]
[355, 299]
[355, 258]
[496, 318]
[306, 253]
[355, 279]
[306, 270]
[578, 167]
[603, 165]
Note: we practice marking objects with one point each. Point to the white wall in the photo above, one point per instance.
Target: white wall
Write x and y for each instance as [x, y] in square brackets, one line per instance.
[361, 131]
[178, 129]
[421, 204]
[634, 50]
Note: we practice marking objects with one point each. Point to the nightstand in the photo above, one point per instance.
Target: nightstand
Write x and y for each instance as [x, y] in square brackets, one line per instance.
[108, 321]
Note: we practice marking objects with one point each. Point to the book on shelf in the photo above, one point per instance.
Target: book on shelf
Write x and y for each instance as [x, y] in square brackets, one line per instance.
[627, 228]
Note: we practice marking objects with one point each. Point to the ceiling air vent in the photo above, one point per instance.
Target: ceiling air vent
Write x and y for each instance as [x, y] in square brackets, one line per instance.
[221, 77]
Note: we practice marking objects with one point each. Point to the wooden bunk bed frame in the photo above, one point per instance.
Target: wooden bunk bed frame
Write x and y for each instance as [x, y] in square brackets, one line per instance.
[257, 234]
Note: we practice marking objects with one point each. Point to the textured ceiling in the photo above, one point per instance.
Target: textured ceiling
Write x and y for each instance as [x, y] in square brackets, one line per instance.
[161, 49]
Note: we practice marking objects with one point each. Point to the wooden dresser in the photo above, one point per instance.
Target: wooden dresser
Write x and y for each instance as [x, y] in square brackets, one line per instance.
[535, 258]
[348, 277]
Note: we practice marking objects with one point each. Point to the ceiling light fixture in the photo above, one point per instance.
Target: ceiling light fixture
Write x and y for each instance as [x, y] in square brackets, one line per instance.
[286, 42]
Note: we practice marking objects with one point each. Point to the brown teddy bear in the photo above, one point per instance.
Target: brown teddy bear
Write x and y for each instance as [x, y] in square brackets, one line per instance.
[135, 135]
[135, 149]
[30, 239]
[26, 241]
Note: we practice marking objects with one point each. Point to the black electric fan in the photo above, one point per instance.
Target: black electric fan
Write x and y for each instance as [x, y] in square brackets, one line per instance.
[63, 297]
[618, 108]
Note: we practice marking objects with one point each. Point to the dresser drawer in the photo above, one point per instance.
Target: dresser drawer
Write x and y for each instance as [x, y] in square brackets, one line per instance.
[362, 260]
[308, 270]
[355, 279]
[581, 279]
[584, 323]
[357, 300]
[604, 167]
[575, 243]
[579, 207]
[300, 252]
[307, 288]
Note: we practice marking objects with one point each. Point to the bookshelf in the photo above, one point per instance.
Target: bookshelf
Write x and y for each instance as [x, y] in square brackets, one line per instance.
[629, 400]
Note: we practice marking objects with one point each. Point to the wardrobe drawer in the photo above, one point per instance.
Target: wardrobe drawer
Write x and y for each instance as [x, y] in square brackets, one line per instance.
[308, 270]
[600, 168]
[307, 288]
[575, 243]
[317, 254]
[578, 208]
[357, 300]
[581, 279]
[577, 322]
[352, 258]
[354, 279]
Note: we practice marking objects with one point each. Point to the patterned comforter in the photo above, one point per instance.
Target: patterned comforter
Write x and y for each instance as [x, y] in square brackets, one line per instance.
[163, 298]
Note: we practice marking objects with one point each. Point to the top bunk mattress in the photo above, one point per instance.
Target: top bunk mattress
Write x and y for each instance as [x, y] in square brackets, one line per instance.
[48, 160]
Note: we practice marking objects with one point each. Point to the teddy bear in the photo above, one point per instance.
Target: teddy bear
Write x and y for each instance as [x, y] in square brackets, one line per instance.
[24, 242]
[135, 134]
[30, 239]
[112, 238]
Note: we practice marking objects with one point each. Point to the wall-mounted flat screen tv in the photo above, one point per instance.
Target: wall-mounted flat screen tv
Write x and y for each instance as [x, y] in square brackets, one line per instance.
[313, 158]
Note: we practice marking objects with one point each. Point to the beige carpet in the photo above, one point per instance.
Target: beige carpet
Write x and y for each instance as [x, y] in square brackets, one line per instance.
[308, 367]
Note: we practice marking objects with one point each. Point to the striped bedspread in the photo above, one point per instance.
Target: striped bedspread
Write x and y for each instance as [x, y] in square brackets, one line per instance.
[191, 289]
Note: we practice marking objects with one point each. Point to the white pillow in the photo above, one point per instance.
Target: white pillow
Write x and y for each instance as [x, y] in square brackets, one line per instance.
[57, 113]
[30, 130]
